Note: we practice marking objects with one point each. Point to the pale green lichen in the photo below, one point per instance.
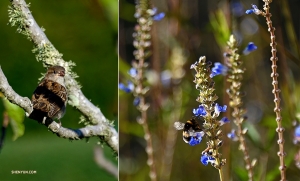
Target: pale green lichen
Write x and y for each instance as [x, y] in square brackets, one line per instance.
[17, 18]
[83, 120]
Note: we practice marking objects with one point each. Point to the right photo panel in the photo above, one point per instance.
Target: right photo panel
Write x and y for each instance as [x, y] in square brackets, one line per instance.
[209, 90]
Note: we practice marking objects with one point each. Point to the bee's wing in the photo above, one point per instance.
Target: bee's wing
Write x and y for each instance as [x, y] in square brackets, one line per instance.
[179, 125]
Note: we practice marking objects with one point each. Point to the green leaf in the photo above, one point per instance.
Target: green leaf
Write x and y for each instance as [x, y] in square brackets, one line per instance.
[16, 116]
[111, 8]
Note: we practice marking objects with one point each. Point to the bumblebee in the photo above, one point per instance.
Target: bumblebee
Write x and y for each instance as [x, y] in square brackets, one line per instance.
[190, 129]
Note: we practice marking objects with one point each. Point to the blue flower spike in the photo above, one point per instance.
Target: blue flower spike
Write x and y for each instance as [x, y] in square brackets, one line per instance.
[297, 135]
[232, 135]
[218, 69]
[195, 140]
[205, 159]
[223, 121]
[200, 111]
[250, 48]
[255, 10]
[219, 109]
[129, 88]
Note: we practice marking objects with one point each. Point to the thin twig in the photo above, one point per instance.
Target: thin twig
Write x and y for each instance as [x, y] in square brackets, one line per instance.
[276, 89]
[102, 162]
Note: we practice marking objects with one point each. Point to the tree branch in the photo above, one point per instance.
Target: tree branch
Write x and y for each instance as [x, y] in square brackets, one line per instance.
[102, 162]
[20, 16]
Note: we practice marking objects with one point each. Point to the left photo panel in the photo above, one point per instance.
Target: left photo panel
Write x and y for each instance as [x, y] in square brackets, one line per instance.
[59, 90]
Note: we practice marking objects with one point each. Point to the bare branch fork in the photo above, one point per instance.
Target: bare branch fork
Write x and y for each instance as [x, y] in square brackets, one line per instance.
[21, 17]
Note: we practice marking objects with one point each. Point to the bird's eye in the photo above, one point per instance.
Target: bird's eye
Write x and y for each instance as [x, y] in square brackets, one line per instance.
[54, 71]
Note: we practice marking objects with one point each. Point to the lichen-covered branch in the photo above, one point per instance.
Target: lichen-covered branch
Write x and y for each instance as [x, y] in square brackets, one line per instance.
[20, 16]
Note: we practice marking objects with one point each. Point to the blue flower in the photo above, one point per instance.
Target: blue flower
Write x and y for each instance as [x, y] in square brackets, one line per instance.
[133, 72]
[200, 111]
[205, 159]
[194, 65]
[297, 131]
[129, 88]
[224, 120]
[250, 48]
[237, 8]
[219, 109]
[218, 69]
[297, 135]
[195, 140]
[136, 101]
[232, 135]
[159, 16]
[255, 10]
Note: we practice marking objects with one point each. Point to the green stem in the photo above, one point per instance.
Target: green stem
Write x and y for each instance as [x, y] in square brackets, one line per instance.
[221, 174]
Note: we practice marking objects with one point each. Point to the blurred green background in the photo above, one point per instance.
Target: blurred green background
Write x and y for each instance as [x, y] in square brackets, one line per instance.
[201, 28]
[86, 33]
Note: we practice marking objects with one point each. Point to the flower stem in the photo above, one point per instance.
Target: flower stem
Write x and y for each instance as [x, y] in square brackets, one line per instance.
[235, 76]
[276, 90]
[221, 174]
[141, 42]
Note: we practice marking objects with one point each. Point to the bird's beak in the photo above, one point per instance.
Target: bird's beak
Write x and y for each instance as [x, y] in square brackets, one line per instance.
[62, 73]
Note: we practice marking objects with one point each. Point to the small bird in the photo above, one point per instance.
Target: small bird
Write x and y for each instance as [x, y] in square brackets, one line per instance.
[50, 97]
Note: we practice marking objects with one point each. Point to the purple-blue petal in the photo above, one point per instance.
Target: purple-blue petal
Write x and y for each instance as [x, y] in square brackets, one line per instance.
[232, 135]
[218, 69]
[194, 141]
[132, 72]
[249, 11]
[159, 16]
[297, 131]
[254, 6]
[250, 48]
[224, 120]
[129, 88]
[200, 111]
[136, 101]
[205, 159]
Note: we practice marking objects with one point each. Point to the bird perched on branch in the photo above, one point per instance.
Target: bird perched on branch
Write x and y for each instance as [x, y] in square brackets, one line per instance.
[50, 97]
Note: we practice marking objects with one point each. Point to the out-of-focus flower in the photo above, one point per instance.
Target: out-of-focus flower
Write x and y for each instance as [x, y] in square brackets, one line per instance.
[136, 101]
[297, 135]
[255, 10]
[250, 48]
[129, 88]
[159, 16]
[218, 69]
[133, 72]
[237, 8]
[232, 135]
[224, 120]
